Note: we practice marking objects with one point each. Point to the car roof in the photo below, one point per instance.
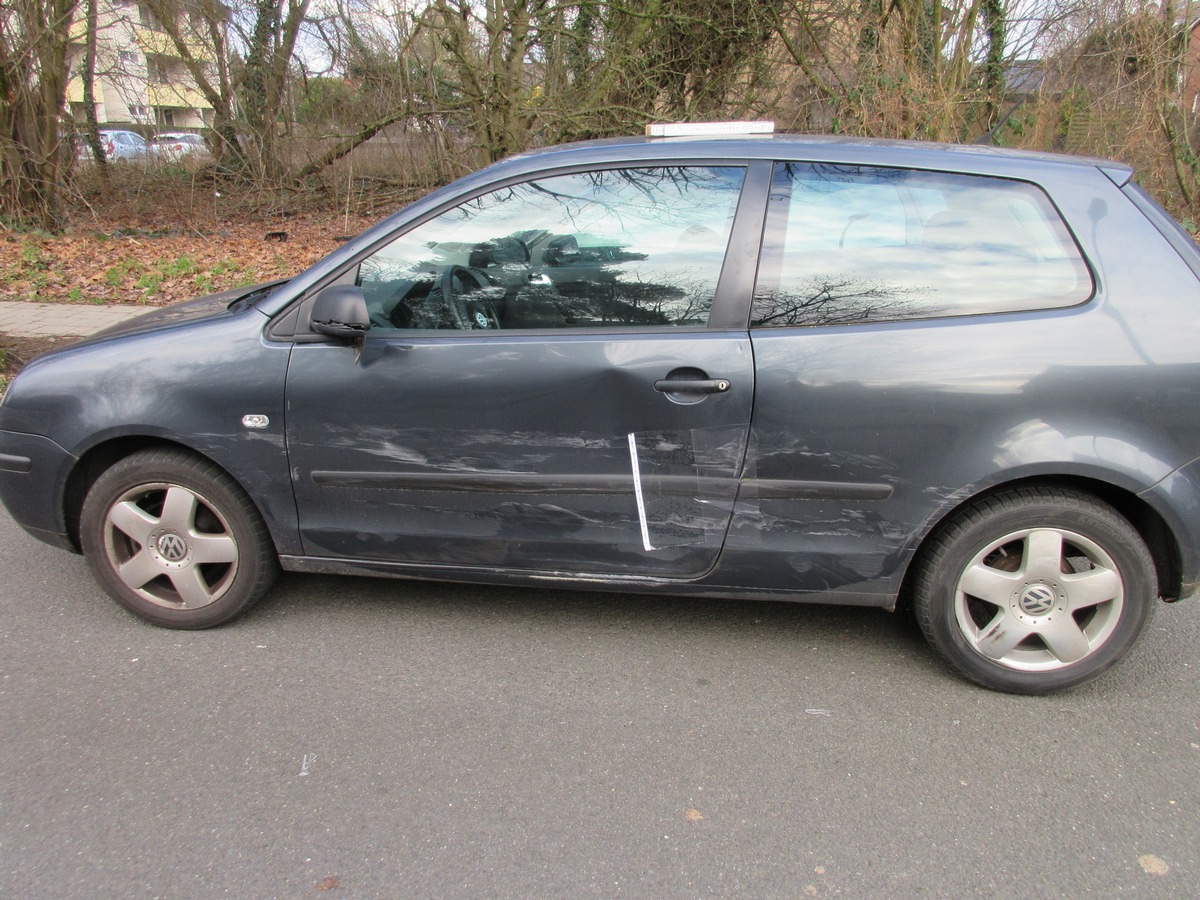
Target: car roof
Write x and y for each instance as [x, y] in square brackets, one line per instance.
[833, 148]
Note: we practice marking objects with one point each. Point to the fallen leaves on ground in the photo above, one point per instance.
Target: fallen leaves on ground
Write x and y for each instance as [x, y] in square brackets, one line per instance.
[156, 267]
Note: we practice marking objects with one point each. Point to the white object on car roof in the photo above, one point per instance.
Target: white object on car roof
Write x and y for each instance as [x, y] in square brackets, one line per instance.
[687, 129]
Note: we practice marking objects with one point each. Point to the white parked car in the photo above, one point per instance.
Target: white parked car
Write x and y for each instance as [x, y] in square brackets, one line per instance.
[175, 145]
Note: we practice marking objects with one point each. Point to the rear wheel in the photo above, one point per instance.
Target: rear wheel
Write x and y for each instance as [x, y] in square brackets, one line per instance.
[174, 539]
[1035, 590]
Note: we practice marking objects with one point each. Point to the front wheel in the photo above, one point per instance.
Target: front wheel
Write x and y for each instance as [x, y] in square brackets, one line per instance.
[1035, 590]
[175, 540]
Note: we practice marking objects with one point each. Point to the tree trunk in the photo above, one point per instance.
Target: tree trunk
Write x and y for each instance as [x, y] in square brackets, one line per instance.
[345, 146]
[92, 132]
[33, 96]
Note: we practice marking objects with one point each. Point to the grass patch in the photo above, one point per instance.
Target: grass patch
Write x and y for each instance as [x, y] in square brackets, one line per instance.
[176, 268]
[31, 256]
[149, 283]
[148, 280]
[29, 269]
[115, 276]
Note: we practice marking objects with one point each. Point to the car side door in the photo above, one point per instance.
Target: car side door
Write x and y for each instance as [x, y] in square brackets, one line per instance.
[557, 378]
[908, 331]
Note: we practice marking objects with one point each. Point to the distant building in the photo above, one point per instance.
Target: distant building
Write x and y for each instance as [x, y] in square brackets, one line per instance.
[1189, 98]
[141, 78]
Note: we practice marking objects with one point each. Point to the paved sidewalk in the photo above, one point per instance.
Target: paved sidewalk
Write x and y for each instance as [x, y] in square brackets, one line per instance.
[67, 319]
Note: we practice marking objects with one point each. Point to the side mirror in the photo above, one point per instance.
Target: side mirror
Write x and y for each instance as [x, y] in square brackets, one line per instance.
[562, 251]
[341, 312]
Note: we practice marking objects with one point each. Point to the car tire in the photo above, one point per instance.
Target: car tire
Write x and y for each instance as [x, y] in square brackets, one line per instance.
[1035, 590]
[174, 539]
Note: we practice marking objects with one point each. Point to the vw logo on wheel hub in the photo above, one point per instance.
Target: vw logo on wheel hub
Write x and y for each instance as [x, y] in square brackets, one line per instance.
[1037, 599]
[172, 547]
[172, 550]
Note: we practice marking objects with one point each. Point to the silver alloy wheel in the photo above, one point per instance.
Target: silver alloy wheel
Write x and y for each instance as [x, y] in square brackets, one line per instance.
[1039, 599]
[170, 545]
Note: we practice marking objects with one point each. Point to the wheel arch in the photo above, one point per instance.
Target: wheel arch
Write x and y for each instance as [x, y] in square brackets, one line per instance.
[1150, 525]
[103, 456]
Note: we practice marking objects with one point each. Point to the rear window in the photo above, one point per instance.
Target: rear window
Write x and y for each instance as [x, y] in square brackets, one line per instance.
[848, 244]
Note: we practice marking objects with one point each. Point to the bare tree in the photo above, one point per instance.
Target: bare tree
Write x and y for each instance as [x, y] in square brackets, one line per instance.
[521, 72]
[202, 43]
[34, 36]
[386, 61]
[487, 46]
[904, 68]
[248, 99]
[270, 45]
[88, 76]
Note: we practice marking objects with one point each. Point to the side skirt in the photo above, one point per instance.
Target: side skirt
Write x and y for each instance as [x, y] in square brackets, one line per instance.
[629, 584]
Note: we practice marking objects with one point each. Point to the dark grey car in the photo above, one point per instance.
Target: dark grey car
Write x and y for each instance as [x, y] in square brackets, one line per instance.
[774, 367]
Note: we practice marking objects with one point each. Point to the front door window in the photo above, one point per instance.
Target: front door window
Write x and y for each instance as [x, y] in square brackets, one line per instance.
[639, 248]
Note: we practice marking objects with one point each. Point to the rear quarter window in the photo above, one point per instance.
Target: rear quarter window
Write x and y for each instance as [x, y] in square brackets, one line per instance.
[848, 244]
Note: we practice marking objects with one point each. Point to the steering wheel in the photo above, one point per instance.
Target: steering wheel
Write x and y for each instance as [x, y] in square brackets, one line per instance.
[467, 312]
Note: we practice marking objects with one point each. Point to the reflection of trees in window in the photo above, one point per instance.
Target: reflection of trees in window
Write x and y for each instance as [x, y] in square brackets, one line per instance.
[828, 302]
[644, 195]
[630, 303]
[929, 244]
[632, 236]
[637, 246]
[839, 177]
[624, 197]
[616, 291]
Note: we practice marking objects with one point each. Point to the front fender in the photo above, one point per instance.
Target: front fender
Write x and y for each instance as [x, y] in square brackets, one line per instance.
[191, 384]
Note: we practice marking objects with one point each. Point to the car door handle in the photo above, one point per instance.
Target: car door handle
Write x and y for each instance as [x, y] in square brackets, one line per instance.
[692, 386]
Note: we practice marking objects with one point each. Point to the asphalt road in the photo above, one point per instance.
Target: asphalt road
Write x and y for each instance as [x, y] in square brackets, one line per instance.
[359, 738]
